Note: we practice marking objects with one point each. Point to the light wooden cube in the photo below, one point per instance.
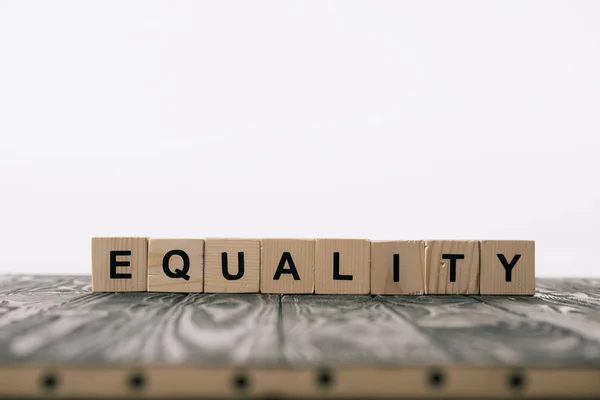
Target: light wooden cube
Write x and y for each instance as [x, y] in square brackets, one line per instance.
[398, 267]
[287, 266]
[176, 265]
[507, 267]
[342, 266]
[232, 265]
[452, 266]
[119, 264]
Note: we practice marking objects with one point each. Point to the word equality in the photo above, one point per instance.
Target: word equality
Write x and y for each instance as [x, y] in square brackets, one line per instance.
[319, 266]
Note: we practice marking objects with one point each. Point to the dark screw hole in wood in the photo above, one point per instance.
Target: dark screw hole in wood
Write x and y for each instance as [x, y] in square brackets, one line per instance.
[324, 378]
[137, 381]
[50, 381]
[516, 380]
[436, 379]
[241, 381]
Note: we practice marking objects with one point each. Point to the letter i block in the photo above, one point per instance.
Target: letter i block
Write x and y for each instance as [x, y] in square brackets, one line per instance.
[507, 267]
[176, 265]
[342, 266]
[397, 267]
[232, 265]
[287, 266]
[119, 264]
[452, 266]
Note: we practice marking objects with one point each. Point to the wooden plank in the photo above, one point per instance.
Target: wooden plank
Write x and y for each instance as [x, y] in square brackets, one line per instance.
[576, 291]
[580, 319]
[149, 328]
[22, 296]
[475, 333]
[173, 382]
[351, 329]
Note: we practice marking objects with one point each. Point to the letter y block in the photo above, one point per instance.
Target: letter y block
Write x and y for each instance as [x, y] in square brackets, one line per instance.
[507, 267]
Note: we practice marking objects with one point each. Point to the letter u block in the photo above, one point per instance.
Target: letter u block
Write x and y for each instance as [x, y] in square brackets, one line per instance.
[119, 264]
[231, 265]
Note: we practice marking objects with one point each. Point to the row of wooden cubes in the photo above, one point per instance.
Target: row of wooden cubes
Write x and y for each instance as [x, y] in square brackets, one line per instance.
[321, 266]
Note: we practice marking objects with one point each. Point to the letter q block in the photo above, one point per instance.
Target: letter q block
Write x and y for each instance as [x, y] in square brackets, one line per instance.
[119, 264]
[175, 265]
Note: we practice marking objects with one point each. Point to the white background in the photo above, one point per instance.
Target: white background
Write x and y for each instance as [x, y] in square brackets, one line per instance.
[373, 119]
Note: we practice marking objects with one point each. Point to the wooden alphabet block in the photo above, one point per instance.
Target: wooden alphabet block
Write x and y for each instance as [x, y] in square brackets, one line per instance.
[232, 265]
[452, 266]
[507, 267]
[176, 265]
[398, 267]
[287, 266]
[119, 264]
[342, 266]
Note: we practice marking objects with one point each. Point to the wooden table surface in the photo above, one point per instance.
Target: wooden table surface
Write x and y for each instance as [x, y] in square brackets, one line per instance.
[57, 338]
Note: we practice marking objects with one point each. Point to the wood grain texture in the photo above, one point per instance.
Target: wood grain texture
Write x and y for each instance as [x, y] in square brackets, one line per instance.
[353, 256]
[354, 330]
[133, 252]
[438, 267]
[575, 291]
[298, 265]
[410, 255]
[183, 255]
[57, 321]
[507, 267]
[473, 333]
[246, 282]
[218, 329]
[582, 320]
[23, 296]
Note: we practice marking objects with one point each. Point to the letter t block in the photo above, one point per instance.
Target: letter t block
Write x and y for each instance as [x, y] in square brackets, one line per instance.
[119, 264]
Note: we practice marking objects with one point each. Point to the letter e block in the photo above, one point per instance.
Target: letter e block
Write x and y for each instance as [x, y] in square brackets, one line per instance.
[342, 266]
[232, 265]
[287, 266]
[176, 265]
[452, 266]
[119, 264]
[397, 267]
[507, 267]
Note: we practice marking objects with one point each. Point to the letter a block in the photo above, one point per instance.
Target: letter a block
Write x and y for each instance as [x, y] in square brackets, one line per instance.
[507, 267]
[232, 265]
[176, 265]
[452, 266]
[287, 266]
[119, 264]
[397, 267]
[342, 266]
